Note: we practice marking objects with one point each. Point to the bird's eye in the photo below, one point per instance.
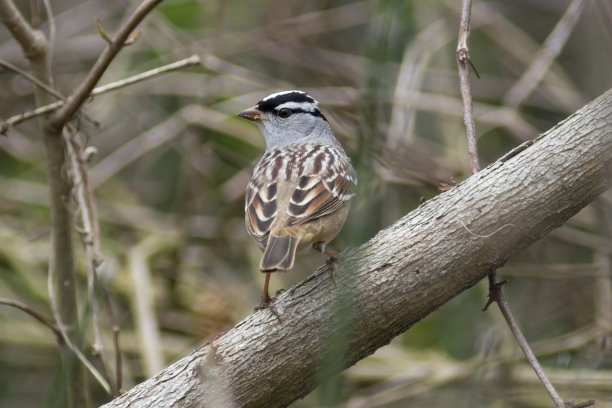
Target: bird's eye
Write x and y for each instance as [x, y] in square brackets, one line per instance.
[284, 113]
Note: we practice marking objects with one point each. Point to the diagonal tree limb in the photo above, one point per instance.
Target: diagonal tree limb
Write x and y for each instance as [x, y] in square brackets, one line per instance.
[397, 278]
[74, 101]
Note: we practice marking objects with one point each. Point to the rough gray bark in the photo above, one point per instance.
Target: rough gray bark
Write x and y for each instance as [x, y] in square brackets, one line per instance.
[389, 283]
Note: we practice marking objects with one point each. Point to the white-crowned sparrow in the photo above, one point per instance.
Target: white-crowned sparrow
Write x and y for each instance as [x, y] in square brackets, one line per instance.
[301, 187]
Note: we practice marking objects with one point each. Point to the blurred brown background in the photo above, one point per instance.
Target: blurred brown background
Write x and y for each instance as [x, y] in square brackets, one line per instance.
[173, 162]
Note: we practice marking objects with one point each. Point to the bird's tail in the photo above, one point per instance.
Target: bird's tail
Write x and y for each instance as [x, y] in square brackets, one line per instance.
[279, 254]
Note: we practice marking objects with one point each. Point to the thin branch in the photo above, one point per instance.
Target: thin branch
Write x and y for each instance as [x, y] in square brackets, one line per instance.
[463, 64]
[175, 66]
[89, 232]
[22, 306]
[116, 331]
[74, 101]
[64, 334]
[496, 294]
[495, 286]
[32, 79]
[52, 34]
[190, 61]
[22, 117]
[545, 56]
[584, 404]
[91, 240]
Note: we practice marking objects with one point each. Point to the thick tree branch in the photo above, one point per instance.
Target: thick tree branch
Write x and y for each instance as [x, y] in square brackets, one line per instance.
[402, 274]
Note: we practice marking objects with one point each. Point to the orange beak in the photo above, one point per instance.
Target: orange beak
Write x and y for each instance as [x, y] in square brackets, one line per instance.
[253, 114]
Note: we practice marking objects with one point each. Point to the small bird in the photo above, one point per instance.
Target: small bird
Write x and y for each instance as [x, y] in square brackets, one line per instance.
[300, 191]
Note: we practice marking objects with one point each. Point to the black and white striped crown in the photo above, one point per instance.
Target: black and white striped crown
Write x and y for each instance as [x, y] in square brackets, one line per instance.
[297, 101]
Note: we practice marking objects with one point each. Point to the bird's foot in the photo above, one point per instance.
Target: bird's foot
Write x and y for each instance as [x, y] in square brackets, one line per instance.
[333, 267]
[267, 302]
[331, 261]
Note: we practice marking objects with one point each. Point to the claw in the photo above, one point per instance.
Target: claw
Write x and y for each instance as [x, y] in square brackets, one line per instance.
[333, 265]
[267, 302]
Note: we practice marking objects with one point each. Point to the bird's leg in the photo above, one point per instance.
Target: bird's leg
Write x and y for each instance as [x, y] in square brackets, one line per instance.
[265, 297]
[331, 261]
[266, 300]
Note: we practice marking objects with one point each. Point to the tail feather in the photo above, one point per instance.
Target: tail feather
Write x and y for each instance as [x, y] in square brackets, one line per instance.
[279, 254]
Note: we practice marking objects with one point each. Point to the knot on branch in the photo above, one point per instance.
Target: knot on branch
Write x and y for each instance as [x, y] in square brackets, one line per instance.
[463, 55]
[37, 47]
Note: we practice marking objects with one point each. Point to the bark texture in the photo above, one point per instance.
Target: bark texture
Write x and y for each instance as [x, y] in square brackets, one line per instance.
[398, 277]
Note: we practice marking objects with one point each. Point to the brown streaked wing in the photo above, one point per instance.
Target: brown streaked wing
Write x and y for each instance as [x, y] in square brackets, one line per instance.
[261, 209]
[315, 197]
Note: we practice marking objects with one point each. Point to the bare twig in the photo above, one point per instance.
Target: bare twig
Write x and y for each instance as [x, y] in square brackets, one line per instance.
[116, 331]
[584, 404]
[91, 241]
[22, 117]
[88, 215]
[51, 42]
[463, 63]
[497, 295]
[15, 120]
[89, 232]
[495, 287]
[30, 78]
[66, 338]
[544, 58]
[47, 88]
[74, 101]
[186, 62]
[22, 306]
